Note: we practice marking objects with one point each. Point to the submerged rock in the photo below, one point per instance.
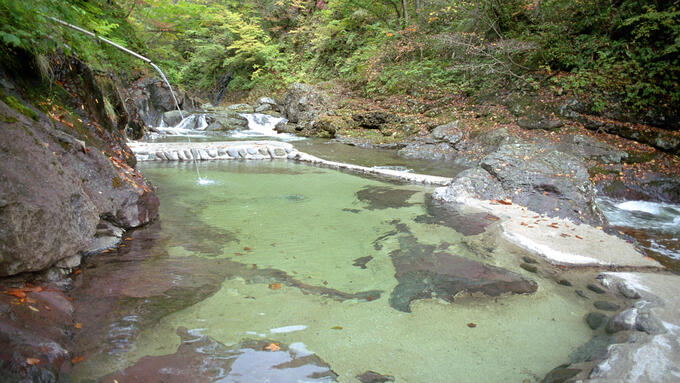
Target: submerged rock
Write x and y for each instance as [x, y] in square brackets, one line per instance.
[424, 272]
[374, 377]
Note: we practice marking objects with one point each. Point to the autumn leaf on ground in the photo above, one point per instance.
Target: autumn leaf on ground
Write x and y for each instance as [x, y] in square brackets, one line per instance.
[32, 361]
[275, 286]
[471, 325]
[502, 201]
[272, 347]
[79, 325]
[77, 359]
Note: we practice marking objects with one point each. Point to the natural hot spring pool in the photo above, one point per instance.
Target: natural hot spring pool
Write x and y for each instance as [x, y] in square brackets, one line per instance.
[344, 274]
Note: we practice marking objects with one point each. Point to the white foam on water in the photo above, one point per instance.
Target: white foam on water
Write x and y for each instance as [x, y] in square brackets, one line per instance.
[282, 330]
[205, 181]
[262, 125]
[646, 206]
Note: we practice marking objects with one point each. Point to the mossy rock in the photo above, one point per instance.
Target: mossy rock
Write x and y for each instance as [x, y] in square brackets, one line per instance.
[17, 105]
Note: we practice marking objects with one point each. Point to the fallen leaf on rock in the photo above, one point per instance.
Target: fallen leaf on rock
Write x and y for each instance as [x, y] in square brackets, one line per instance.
[491, 217]
[77, 359]
[32, 361]
[76, 272]
[16, 293]
[79, 325]
[275, 286]
[553, 225]
[272, 347]
[502, 201]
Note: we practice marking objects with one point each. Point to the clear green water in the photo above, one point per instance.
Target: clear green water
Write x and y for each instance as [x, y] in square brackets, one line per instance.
[309, 223]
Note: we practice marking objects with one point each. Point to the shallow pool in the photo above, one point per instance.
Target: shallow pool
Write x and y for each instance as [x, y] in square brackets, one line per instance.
[285, 272]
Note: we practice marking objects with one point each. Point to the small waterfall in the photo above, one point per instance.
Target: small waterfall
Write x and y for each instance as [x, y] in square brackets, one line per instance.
[262, 125]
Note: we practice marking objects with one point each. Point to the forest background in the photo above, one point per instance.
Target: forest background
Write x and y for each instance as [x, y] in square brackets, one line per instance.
[603, 50]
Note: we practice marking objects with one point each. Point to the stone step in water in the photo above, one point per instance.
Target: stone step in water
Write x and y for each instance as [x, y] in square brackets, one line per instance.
[263, 150]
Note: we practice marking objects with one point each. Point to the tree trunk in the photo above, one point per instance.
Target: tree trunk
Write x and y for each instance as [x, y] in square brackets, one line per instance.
[403, 6]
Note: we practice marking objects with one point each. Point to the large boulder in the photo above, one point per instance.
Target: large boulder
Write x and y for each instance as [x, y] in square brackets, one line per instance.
[303, 104]
[538, 177]
[226, 121]
[151, 97]
[59, 180]
[440, 144]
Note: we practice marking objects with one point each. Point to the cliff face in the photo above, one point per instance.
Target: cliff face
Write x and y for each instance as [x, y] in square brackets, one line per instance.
[66, 173]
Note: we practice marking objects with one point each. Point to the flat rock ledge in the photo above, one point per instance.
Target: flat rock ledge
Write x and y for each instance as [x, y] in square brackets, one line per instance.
[559, 241]
[263, 150]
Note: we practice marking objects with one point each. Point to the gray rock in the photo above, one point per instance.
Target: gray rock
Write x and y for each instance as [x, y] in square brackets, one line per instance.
[440, 151]
[302, 104]
[595, 288]
[606, 306]
[647, 322]
[284, 127]
[252, 151]
[374, 377]
[539, 122]
[100, 243]
[70, 262]
[232, 153]
[203, 154]
[161, 156]
[173, 117]
[241, 108]
[227, 121]
[221, 152]
[56, 183]
[263, 108]
[212, 153]
[560, 374]
[195, 155]
[243, 153]
[188, 155]
[590, 148]
[625, 320]
[373, 119]
[596, 320]
[528, 267]
[627, 290]
[449, 133]
[151, 98]
[171, 156]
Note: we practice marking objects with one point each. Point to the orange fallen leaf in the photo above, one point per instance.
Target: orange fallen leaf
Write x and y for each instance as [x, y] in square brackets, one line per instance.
[79, 325]
[76, 272]
[275, 286]
[247, 248]
[272, 347]
[471, 325]
[578, 237]
[16, 293]
[491, 217]
[502, 201]
[32, 361]
[77, 359]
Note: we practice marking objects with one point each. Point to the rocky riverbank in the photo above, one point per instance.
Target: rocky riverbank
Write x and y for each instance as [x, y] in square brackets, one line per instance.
[68, 188]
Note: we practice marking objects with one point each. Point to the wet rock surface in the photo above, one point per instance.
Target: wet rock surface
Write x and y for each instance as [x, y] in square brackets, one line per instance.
[151, 98]
[425, 272]
[203, 359]
[451, 216]
[374, 377]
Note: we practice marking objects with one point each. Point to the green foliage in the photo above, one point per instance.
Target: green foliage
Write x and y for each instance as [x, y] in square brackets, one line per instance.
[27, 25]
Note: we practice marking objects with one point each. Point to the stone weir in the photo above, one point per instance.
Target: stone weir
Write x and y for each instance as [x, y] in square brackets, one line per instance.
[263, 150]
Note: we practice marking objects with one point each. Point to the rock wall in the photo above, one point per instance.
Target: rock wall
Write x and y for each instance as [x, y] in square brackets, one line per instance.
[65, 169]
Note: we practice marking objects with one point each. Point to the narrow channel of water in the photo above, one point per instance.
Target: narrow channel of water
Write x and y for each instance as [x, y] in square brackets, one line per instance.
[326, 266]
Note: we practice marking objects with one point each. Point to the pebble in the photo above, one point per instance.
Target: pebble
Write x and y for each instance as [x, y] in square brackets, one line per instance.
[528, 267]
[564, 282]
[595, 320]
[528, 259]
[627, 290]
[606, 306]
[625, 320]
[581, 294]
[595, 288]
